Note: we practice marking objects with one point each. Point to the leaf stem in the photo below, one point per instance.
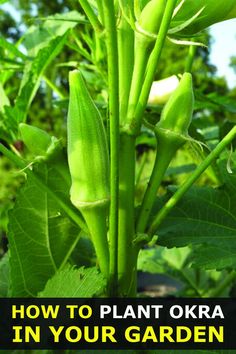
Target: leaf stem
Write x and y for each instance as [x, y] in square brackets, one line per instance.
[53, 87]
[190, 58]
[113, 88]
[22, 165]
[196, 174]
[164, 155]
[222, 286]
[126, 63]
[93, 19]
[135, 119]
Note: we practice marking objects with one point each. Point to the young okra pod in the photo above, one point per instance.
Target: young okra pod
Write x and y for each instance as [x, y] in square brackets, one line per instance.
[177, 113]
[89, 164]
[171, 133]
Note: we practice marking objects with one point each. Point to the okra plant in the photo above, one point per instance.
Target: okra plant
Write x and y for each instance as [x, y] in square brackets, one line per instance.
[82, 196]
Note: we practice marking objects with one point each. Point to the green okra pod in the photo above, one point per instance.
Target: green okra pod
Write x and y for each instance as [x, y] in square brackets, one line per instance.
[177, 113]
[89, 164]
[171, 133]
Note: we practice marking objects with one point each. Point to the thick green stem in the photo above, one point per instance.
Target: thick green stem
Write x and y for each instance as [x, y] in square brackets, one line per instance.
[126, 62]
[113, 88]
[190, 58]
[93, 19]
[135, 120]
[126, 252]
[190, 181]
[96, 221]
[22, 165]
[142, 52]
[163, 157]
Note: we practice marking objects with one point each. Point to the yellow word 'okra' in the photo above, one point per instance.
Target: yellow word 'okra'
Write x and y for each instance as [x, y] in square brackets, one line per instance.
[89, 164]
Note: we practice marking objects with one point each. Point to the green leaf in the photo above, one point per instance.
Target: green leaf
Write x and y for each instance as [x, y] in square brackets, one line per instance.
[41, 237]
[214, 257]
[4, 276]
[156, 352]
[4, 101]
[213, 12]
[204, 216]
[53, 26]
[111, 352]
[43, 43]
[214, 102]
[71, 282]
[150, 260]
[12, 48]
[31, 80]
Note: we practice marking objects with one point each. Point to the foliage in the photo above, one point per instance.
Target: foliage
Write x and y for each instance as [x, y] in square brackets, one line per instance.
[48, 238]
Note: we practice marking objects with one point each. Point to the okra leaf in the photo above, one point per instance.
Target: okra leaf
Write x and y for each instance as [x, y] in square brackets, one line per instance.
[214, 257]
[150, 260]
[215, 102]
[43, 44]
[71, 282]
[31, 80]
[41, 237]
[38, 37]
[4, 101]
[4, 276]
[157, 352]
[213, 12]
[11, 48]
[112, 352]
[203, 216]
[28, 351]
[192, 352]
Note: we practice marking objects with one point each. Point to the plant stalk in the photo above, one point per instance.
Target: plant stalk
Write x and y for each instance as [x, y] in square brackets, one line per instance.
[126, 62]
[134, 120]
[190, 181]
[190, 58]
[163, 157]
[93, 19]
[126, 253]
[113, 88]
